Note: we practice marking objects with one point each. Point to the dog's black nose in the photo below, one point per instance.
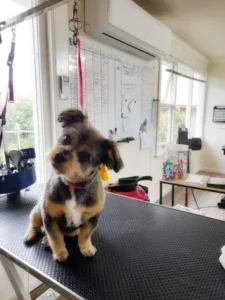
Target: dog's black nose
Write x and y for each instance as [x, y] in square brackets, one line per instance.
[59, 158]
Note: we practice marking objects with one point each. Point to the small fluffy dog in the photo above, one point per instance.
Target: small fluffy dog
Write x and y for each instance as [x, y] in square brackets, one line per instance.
[74, 196]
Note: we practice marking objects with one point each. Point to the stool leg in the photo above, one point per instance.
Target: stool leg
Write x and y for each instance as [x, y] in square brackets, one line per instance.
[15, 279]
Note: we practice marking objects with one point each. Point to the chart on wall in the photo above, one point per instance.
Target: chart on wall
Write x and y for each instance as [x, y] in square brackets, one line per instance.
[118, 90]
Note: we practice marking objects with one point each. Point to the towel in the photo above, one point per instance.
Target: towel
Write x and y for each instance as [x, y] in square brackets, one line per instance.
[222, 257]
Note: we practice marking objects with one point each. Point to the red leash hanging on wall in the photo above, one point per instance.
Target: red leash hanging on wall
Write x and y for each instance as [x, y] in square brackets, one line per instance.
[80, 76]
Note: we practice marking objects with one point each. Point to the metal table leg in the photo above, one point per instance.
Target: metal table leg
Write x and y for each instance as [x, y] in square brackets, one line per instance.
[195, 199]
[172, 195]
[160, 193]
[186, 197]
[15, 279]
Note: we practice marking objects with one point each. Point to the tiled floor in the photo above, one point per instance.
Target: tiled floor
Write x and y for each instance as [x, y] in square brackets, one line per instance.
[6, 290]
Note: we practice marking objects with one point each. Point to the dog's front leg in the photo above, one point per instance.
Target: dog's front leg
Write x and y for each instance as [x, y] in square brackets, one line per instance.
[56, 241]
[84, 237]
[34, 226]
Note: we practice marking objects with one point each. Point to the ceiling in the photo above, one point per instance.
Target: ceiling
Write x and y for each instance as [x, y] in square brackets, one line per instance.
[26, 3]
[201, 23]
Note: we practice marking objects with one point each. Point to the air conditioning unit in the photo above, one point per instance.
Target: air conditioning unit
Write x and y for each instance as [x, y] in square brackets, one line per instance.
[125, 25]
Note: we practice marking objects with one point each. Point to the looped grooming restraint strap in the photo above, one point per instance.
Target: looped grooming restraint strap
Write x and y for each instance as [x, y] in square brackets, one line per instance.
[74, 23]
[10, 92]
[10, 65]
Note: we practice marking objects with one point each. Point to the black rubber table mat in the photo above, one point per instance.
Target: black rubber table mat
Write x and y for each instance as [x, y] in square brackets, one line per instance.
[144, 252]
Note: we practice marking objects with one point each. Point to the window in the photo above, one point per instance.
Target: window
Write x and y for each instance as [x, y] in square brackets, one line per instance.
[164, 124]
[182, 101]
[22, 127]
[166, 91]
[19, 130]
[197, 106]
[166, 83]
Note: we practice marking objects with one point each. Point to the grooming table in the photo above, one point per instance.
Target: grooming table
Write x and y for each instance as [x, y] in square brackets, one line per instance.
[145, 251]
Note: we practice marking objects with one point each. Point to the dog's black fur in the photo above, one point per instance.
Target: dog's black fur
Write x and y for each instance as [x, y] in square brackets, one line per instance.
[74, 195]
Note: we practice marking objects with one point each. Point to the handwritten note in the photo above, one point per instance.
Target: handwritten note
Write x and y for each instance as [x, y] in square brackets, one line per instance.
[118, 97]
[112, 99]
[147, 138]
[105, 92]
[147, 93]
[118, 90]
[97, 89]
[89, 86]
[131, 95]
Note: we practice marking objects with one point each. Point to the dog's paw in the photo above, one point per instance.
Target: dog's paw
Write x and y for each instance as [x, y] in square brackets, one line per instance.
[61, 255]
[44, 242]
[88, 251]
[30, 236]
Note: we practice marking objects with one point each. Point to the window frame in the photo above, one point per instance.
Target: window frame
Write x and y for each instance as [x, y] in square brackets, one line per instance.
[40, 93]
[42, 111]
[172, 105]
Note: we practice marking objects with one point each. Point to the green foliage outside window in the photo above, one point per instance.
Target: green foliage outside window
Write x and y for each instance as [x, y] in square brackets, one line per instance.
[164, 125]
[19, 130]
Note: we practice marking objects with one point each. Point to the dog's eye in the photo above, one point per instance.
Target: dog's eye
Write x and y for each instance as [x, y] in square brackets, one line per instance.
[66, 140]
[83, 157]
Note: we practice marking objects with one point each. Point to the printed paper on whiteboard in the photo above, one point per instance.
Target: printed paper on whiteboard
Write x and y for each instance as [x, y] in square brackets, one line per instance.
[146, 139]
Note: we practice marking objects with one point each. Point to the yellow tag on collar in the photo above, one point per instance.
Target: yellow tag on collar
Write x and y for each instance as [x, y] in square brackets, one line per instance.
[103, 172]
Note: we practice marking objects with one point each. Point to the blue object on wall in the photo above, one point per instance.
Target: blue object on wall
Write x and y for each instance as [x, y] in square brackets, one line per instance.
[15, 182]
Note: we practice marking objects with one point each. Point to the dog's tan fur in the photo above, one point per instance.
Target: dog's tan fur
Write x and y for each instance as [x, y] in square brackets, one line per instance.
[56, 241]
[81, 154]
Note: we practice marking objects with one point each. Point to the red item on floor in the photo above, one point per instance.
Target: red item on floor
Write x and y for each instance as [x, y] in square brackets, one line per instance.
[138, 193]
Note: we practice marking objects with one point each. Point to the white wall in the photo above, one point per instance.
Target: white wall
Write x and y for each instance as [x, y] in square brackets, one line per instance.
[183, 52]
[137, 162]
[6, 290]
[213, 159]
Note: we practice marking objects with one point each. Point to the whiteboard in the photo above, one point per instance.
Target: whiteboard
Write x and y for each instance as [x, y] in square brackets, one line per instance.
[118, 89]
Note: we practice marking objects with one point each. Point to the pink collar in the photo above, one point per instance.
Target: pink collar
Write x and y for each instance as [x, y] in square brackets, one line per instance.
[76, 186]
[79, 185]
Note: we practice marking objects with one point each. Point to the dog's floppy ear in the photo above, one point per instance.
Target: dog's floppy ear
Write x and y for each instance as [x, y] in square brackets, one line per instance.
[71, 116]
[111, 156]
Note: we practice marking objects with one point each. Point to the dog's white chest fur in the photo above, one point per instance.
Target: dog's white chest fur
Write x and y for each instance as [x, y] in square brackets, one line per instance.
[73, 218]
